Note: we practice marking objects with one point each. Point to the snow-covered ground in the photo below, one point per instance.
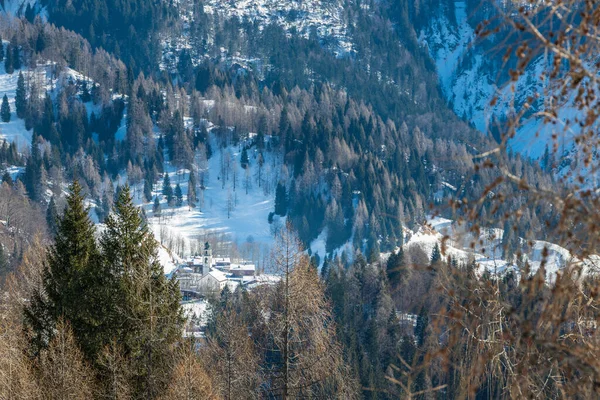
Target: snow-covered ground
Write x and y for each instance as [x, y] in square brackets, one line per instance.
[326, 17]
[470, 83]
[237, 215]
[487, 252]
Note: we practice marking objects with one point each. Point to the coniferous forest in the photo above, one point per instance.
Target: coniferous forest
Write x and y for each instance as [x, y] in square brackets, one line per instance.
[399, 250]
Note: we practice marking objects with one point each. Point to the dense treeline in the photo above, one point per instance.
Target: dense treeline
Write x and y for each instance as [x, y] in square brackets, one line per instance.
[362, 175]
[88, 318]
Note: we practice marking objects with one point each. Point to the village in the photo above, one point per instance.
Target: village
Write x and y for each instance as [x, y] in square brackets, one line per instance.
[204, 276]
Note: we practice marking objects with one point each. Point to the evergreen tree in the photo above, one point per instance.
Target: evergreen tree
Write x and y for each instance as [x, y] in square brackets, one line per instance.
[147, 190]
[20, 97]
[394, 266]
[178, 195]
[421, 326]
[69, 273]
[436, 255]
[5, 110]
[8, 60]
[244, 161]
[281, 199]
[149, 319]
[16, 58]
[167, 190]
[1, 51]
[7, 178]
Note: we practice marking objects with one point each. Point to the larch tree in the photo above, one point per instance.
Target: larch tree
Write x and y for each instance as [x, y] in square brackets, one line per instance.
[64, 374]
[190, 380]
[304, 358]
[231, 355]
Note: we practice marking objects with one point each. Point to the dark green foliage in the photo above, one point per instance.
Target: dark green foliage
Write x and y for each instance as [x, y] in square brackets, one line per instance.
[5, 110]
[167, 189]
[20, 97]
[436, 255]
[16, 59]
[149, 318]
[6, 178]
[147, 190]
[8, 60]
[178, 196]
[281, 199]
[244, 159]
[394, 267]
[421, 327]
[71, 270]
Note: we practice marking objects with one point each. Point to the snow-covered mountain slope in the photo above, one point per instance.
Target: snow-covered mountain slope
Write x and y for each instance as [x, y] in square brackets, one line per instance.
[487, 252]
[471, 77]
[325, 17]
[233, 210]
[18, 8]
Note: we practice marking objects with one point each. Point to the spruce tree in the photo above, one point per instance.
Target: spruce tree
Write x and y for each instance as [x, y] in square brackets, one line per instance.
[436, 255]
[280, 200]
[244, 161]
[147, 190]
[178, 195]
[149, 319]
[20, 97]
[69, 285]
[167, 190]
[16, 58]
[8, 60]
[5, 110]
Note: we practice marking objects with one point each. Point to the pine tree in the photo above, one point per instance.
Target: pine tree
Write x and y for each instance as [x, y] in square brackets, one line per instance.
[1, 51]
[16, 58]
[244, 161]
[436, 255]
[5, 110]
[394, 267]
[281, 199]
[8, 60]
[20, 97]
[70, 270]
[178, 195]
[147, 190]
[167, 190]
[149, 321]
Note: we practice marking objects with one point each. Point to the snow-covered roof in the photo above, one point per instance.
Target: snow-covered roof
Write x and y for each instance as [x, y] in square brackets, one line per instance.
[242, 267]
[218, 275]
